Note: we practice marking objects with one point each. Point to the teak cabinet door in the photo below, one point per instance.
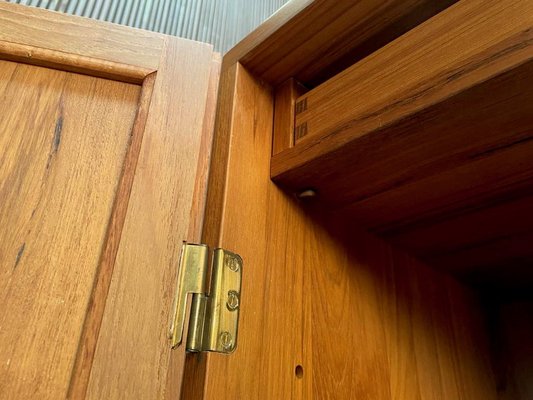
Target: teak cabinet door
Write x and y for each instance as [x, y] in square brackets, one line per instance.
[104, 143]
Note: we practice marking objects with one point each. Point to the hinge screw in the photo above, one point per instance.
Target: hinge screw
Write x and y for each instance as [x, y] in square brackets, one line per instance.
[233, 300]
[232, 264]
[226, 340]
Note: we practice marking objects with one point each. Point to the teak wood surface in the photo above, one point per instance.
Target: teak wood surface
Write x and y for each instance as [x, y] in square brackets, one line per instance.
[421, 138]
[101, 182]
[145, 265]
[57, 130]
[312, 41]
[329, 312]
[78, 44]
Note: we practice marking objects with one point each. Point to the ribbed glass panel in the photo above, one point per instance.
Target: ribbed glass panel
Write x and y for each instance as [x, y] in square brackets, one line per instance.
[220, 22]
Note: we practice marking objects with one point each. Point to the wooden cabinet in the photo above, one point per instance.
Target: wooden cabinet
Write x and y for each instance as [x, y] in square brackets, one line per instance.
[369, 161]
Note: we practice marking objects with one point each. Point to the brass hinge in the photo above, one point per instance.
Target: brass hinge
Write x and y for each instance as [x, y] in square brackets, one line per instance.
[214, 318]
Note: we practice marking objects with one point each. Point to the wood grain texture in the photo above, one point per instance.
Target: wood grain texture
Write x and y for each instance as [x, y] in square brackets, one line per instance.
[412, 333]
[284, 114]
[433, 67]
[314, 40]
[432, 127]
[195, 366]
[248, 205]
[97, 302]
[362, 319]
[72, 62]
[133, 353]
[263, 32]
[198, 207]
[198, 210]
[79, 44]
[57, 130]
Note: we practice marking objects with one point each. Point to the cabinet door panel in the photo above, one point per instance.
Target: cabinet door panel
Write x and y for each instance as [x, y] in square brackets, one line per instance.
[102, 176]
[57, 132]
[157, 221]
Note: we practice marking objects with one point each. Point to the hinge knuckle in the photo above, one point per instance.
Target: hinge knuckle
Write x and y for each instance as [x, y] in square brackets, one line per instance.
[214, 316]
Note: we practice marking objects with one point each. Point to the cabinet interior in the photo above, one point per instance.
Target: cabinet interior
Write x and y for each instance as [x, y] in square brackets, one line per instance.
[426, 144]
[416, 148]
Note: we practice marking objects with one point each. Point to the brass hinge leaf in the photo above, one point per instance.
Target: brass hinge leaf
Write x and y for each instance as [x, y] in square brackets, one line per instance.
[214, 317]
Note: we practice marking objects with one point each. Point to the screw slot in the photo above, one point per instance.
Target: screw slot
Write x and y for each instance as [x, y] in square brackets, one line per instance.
[299, 371]
[226, 340]
[232, 264]
[233, 300]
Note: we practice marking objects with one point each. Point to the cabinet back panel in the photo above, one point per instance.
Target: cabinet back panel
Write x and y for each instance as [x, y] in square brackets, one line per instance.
[515, 319]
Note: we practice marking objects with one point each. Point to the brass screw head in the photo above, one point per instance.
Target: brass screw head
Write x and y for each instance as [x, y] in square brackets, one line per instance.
[233, 300]
[226, 340]
[232, 264]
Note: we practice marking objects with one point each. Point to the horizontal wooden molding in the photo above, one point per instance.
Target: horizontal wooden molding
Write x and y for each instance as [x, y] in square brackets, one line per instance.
[44, 30]
[72, 62]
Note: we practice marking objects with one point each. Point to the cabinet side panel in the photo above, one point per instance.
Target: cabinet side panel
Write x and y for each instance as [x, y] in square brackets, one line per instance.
[257, 213]
[63, 138]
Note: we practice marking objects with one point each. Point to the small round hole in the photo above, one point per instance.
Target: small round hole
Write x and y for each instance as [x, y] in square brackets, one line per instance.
[299, 371]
